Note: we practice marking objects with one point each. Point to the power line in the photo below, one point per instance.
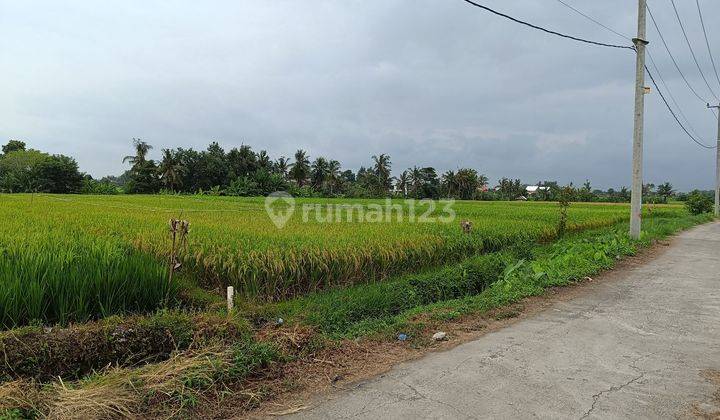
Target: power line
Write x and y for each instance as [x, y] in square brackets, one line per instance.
[691, 50]
[673, 112]
[590, 18]
[707, 43]
[667, 87]
[672, 97]
[574, 38]
[669, 108]
[672, 57]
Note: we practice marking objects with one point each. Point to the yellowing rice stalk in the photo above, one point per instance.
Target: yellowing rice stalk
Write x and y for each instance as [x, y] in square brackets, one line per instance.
[68, 258]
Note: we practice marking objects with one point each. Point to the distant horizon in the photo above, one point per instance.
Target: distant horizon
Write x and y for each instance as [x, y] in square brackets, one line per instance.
[153, 154]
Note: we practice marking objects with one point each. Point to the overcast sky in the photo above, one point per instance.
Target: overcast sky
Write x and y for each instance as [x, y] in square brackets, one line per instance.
[430, 82]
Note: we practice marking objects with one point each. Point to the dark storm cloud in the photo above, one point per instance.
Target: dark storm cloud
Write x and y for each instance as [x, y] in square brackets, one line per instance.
[429, 82]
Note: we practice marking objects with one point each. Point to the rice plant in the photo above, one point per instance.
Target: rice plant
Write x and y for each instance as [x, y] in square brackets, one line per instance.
[69, 258]
[56, 274]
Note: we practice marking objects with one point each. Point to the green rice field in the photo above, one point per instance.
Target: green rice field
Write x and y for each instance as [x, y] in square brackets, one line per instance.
[71, 258]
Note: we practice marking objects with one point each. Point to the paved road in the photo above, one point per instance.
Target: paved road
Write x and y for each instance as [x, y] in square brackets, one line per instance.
[634, 347]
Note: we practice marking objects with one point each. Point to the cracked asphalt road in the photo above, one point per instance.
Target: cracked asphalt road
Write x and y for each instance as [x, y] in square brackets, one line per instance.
[632, 347]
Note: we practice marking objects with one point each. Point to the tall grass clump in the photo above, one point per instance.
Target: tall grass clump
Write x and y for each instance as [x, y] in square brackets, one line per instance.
[64, 276]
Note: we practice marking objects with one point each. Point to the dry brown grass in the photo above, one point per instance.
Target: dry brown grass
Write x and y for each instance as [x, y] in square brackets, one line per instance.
[17, 394]
[109, 400]
[114, 393]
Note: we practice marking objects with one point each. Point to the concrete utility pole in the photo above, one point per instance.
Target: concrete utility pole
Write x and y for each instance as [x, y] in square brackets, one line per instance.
[717, 166]
[637, 170]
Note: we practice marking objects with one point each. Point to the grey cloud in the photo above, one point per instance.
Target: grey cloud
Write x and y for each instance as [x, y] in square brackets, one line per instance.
[430, 82]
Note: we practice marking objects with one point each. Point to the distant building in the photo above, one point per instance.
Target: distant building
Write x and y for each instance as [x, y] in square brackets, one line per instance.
[534, 189]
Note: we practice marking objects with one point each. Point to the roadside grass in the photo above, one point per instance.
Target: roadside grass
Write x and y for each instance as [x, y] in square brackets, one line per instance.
[559, 264]
[477, 284]
[411, 304]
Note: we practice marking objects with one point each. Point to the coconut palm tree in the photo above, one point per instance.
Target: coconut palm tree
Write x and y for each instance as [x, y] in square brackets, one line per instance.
[450, 183]
[319, 172]
[403, 181]
[141, 151]
[243, 161]
[171, 170]
[416, 182]
[300, 169]
[333, 175]
[382, 171]
[282, 165]
[264, 161]
[482, 181]
[466, 181]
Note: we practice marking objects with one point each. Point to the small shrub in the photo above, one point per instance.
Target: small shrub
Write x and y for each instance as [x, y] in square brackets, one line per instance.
[564, 198]
[91, 186]
[249, 357]
[699, 203]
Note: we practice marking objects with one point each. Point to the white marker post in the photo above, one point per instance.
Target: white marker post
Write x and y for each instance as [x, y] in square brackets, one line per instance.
[230, 301]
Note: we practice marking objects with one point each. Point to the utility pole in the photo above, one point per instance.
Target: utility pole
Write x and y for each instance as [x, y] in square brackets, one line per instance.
[717, 166]
[637, 170]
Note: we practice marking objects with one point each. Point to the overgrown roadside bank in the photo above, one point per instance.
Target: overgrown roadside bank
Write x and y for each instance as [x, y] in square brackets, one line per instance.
[326, 328]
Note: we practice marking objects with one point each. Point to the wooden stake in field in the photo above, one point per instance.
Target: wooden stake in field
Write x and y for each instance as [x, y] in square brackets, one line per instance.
[179, 230]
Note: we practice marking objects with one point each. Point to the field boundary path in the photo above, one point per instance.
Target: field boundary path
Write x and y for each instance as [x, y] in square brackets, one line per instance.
[644, 345]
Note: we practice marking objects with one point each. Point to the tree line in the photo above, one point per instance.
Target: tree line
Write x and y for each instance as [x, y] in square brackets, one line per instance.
[29, 170]
[244, 172]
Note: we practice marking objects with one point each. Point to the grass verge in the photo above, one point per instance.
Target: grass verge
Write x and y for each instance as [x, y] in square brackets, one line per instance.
[479, 283]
